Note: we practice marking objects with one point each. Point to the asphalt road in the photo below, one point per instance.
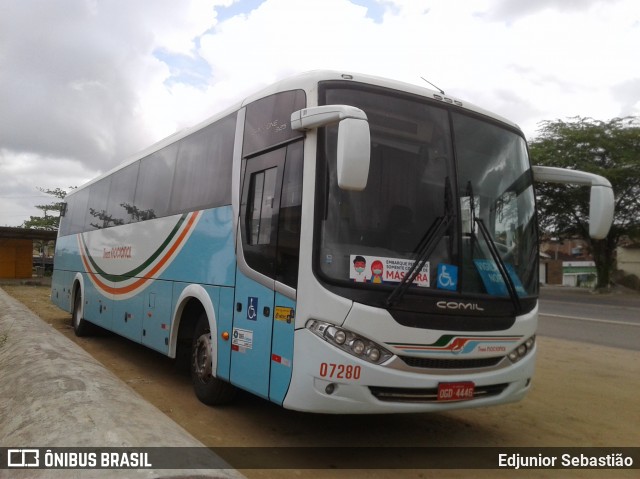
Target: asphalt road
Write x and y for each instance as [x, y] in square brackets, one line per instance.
[578, 315]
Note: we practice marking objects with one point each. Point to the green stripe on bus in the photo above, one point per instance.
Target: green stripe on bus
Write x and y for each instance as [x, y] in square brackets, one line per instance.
[117, 278]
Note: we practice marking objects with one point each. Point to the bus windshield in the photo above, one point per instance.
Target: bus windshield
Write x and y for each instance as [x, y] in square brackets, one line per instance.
[449, 194]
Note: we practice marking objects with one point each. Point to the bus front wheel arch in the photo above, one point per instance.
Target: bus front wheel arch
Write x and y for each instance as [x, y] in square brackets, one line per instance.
[208, 388]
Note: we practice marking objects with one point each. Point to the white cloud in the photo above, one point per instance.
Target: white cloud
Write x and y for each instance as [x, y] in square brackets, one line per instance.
[285, 36]
[85, 83]
[24, 173]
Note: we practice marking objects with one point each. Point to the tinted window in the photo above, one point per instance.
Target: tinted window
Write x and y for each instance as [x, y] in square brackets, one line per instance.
[96, 215]
[194, 173]
[63, 226]
[262, 192]
[203, 174]
[288, 253]
[494, 177]
[271, 211]
[76, 209]
[268, 121]
[408, 189]
[259, 210]
[153, 189]
[120, 203]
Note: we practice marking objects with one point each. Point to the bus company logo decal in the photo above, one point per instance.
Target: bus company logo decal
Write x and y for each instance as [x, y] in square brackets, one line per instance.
[127, 284]
[117, 252]
[459, 306]
[451, 344]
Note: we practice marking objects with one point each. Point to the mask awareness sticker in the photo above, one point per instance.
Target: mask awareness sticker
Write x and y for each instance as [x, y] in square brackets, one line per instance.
[381, 270]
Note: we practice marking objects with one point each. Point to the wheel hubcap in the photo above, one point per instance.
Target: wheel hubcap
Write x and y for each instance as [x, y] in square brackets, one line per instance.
[202, 358]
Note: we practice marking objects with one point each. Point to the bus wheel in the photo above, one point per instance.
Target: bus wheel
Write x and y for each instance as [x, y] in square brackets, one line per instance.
[80, 326]
[209, 389]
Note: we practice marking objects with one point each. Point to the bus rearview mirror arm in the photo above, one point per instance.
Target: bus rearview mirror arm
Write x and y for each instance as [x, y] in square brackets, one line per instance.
[601, 202]
[354, 140]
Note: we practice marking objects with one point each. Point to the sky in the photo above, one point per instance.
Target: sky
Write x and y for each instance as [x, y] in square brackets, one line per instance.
[85, 84]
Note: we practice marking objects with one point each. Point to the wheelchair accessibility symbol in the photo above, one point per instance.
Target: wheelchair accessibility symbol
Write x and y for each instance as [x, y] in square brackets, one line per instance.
[447, 277]
[252, 309]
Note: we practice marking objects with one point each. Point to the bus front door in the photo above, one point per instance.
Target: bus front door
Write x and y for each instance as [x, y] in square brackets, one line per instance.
[251, 337]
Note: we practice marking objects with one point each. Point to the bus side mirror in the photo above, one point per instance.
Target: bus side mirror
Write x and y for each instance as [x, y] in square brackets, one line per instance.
[601, 201]
[601, 209]
[354, 153]
[354, 140]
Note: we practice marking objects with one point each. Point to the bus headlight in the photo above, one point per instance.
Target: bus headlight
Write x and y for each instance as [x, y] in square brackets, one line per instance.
[349, 342]
[357, 346]
[340, 337]
[373, 354]
[522, 350]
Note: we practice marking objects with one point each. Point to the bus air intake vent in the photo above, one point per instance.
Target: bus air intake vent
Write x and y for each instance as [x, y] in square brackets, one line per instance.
[438, 363]
[427, 395]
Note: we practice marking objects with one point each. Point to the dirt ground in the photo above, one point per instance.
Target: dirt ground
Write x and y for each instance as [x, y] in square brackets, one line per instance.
[583, 396]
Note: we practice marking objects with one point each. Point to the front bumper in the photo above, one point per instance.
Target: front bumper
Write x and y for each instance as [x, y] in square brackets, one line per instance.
[328, 380]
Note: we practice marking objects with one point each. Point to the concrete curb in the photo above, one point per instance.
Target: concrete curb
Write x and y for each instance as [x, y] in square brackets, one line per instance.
[54, 394]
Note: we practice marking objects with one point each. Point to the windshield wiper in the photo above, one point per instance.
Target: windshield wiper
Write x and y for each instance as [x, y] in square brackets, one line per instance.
[502, 267]
[493, 250]
[426, 246]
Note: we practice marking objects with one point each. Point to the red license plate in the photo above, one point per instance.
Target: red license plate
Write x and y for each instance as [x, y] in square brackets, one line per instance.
[462, 391]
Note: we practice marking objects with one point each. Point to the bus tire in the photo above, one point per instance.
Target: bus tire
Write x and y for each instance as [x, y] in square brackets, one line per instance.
[208, 388]
[81, 327]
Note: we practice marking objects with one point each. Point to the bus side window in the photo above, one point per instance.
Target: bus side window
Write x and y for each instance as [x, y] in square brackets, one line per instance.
[259, 210]
[96, 216]
[76, 212]
[271, 209]
[272, 191]
[262, 192]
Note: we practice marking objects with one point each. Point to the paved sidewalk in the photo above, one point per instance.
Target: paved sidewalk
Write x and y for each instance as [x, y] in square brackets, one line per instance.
[54, 394]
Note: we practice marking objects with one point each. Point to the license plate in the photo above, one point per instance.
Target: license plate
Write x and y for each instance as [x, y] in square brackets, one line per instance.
[462, 391]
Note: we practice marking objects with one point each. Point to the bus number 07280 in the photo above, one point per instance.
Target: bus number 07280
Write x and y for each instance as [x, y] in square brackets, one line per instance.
[339, 371]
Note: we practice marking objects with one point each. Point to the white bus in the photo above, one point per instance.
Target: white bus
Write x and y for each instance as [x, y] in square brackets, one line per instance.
[336, 243]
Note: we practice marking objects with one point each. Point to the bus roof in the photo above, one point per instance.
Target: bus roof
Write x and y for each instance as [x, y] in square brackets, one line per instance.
[307, 81]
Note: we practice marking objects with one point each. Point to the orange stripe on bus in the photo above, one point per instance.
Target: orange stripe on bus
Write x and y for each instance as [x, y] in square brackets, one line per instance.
[148, 276]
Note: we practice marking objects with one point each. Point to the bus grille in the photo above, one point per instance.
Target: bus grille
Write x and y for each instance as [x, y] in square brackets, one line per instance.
[428, 395]
[438, 363]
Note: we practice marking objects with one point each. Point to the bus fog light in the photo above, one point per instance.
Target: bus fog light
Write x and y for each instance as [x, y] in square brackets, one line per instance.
[522, 350]
[330, 389]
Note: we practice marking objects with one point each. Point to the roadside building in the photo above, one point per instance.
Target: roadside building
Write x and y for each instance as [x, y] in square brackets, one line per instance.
[629, 257]
[567, 262]
[628, 263]
[17, 251]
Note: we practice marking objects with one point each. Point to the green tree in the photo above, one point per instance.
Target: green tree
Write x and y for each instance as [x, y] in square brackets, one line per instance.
[50, 220]
[607, 148]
